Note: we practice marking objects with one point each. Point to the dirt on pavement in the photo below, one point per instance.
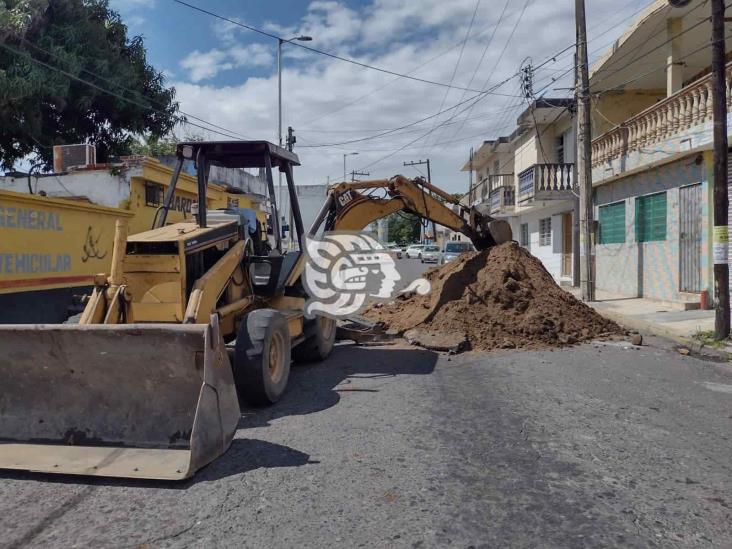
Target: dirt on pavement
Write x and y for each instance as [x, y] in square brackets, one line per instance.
[501, 298]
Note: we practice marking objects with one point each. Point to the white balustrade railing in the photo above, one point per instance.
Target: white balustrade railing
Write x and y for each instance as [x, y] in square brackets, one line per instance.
[689, 107]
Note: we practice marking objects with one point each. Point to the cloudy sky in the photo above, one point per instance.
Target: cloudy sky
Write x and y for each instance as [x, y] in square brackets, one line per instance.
[227, 75]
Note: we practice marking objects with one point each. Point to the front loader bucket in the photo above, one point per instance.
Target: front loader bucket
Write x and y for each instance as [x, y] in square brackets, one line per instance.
[150, 401]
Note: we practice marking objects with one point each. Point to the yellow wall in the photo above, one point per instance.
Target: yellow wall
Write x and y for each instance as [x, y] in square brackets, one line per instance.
[51, 243]
[186, 192]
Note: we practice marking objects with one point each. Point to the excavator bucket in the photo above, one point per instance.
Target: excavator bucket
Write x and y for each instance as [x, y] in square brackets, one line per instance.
[153, 401]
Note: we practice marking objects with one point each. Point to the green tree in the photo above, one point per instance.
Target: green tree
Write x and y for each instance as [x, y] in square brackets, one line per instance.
[404, 228]
[41, 107]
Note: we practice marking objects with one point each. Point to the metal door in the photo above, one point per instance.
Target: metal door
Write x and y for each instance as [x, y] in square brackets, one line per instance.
[690, 233]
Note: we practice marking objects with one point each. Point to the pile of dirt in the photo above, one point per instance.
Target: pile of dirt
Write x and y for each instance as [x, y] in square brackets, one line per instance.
[501, 298]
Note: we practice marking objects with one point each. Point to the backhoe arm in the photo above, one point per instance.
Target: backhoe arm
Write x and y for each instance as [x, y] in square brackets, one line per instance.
[352, 206]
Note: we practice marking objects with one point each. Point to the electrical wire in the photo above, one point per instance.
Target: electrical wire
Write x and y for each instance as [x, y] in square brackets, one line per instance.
[477, 96]
[321, 52]
[498, 61]
[390, 82]
[103, 90]
[457, 65]
[136, 92]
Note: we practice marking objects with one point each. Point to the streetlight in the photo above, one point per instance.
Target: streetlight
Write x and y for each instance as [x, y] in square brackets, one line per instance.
[280, 43]
[344, 164]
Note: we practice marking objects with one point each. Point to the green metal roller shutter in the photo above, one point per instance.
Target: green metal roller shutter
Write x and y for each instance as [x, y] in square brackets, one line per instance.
[612, 223]
[650, 217]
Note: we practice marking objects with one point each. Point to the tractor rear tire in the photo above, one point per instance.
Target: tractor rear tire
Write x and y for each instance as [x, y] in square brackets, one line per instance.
[319, 335]
[262, 357]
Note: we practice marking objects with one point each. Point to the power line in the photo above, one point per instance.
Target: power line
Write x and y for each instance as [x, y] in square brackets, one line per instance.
[630, 81]
[415, 69]
[476, 100]
[638, 54]
[460, 58]
[498, 60]
[321, 52]
[103, 90]
[477, 96]
[136, 92]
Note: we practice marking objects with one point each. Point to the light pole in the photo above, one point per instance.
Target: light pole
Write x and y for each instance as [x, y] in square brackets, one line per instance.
[345, 173]
[280, 43]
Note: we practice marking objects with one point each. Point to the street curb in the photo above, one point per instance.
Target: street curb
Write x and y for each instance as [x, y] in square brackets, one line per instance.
[644, 326]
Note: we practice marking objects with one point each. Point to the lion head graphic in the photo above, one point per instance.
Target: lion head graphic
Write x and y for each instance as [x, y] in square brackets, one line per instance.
[344, 270]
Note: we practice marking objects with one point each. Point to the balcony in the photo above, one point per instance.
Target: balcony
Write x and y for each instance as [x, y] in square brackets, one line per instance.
[502, 195]
[669, 118]
[546, 182]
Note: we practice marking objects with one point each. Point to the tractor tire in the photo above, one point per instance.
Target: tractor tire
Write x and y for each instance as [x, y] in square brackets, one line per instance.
[262, 357]
[319, 335]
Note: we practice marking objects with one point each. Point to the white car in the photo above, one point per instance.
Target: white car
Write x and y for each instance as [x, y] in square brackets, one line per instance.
[395, 250]
[414, 251]
[431, 254]
[454, 249]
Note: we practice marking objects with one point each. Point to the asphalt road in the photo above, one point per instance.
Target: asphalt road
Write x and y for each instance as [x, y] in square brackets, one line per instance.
[409, 270]
[597, 445]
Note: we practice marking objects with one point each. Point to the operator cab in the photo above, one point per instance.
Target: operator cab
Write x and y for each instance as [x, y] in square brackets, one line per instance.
[269, 266]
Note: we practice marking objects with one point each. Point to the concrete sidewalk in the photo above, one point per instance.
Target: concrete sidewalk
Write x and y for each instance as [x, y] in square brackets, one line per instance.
[654, 317]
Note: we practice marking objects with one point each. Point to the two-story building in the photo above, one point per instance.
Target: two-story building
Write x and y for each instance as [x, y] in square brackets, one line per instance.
[528, 179]
[652, 156]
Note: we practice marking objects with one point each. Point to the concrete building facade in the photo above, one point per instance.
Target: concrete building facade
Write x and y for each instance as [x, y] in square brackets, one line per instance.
[652, 168]
[527, 178]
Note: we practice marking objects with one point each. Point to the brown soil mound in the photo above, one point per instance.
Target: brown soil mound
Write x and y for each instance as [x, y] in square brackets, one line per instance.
[499, 298]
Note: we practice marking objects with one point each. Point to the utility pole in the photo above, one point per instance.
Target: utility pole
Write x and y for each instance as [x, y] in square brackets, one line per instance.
[429, 180]
[720, 236]
[354, 173]
[345, 173]
[584, 158]
[575, 199]
[470, 179]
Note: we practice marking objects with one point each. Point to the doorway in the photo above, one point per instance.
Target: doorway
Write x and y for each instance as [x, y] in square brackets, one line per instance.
[567, 244]
[690, 237]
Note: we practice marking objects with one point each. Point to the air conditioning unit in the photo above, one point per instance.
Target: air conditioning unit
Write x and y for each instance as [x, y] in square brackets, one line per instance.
[66, 157]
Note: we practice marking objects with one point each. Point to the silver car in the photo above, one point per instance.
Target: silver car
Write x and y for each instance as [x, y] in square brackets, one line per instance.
[454, 249]
[431, 254]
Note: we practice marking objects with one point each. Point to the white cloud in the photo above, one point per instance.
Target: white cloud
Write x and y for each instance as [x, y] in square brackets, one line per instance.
[399, 36]
[251, 55]
[204, 65]
[133, 11]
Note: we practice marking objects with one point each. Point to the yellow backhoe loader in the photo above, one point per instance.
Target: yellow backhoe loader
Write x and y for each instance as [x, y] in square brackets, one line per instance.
[193, 318]
[145, 385]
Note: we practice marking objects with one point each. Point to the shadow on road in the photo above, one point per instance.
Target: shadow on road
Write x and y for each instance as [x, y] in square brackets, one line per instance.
[312, 388]
[316, 387]
[244, 455]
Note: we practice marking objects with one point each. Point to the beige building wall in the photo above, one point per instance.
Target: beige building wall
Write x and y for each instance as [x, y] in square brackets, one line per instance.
[613, 108]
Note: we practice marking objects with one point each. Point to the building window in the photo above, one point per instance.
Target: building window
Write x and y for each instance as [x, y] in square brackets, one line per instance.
[545, 231]
[650, 217]
[153, 194]
[560, 149]
[612, 223]
[524, 235]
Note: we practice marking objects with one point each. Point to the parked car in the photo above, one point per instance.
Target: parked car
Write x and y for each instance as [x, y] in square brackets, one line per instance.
[454, 249]
[431, 254]
[415, 250]
[395, 250]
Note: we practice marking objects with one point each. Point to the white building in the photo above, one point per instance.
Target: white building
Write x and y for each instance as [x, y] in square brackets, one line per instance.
[527, 178]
